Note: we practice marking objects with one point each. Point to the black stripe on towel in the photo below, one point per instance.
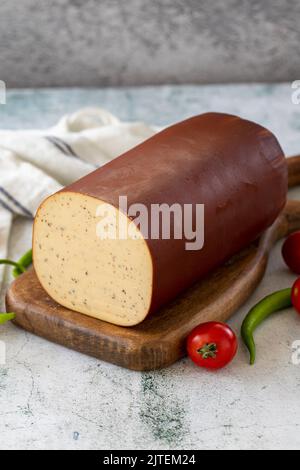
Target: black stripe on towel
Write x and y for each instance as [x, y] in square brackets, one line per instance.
[16, 203]
[62, 145]
[9, 209]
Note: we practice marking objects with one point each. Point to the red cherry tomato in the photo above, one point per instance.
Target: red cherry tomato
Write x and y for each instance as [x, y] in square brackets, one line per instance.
[212, 345]
[296, 295]
[291, 252]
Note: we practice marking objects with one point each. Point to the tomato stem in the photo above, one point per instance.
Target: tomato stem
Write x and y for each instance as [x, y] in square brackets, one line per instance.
[209, 350]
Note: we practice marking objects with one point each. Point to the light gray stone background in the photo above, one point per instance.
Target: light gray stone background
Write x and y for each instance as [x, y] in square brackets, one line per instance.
[135, 42]
[54, 398]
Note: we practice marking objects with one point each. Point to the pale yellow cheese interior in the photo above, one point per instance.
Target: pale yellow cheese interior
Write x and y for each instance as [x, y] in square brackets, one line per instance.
[110, 279]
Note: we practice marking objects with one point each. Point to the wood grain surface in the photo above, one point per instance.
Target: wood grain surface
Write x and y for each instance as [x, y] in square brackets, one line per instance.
[159, 340]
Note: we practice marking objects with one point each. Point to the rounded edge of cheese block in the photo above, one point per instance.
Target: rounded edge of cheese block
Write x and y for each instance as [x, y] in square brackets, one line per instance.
[107, 278]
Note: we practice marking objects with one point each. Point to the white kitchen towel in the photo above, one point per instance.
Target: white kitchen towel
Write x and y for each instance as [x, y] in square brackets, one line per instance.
[37, 163]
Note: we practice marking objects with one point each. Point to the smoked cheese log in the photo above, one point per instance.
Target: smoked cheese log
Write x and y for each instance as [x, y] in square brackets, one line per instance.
[233, 167]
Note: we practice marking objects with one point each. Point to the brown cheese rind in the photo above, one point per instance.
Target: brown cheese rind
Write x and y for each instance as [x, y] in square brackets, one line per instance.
[236, 168]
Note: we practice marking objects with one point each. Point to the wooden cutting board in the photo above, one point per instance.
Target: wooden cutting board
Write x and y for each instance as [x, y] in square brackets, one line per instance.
[160, 340]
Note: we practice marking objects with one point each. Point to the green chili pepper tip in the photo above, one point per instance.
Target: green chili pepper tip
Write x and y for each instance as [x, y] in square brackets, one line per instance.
[4, 317]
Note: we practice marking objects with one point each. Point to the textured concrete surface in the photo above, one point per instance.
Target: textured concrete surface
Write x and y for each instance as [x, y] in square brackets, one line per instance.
[134, 42]
[58, 399]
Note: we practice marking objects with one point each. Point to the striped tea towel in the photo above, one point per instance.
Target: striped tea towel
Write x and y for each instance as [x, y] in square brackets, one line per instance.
[35, 164]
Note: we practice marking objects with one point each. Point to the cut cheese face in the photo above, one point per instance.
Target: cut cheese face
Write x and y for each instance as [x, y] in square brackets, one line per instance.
[106, 277]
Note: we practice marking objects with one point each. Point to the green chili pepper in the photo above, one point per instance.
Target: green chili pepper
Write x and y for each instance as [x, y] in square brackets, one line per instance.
[25, 261]
[273, 303]
[19, 266]
[13, 263]
[4, 317]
